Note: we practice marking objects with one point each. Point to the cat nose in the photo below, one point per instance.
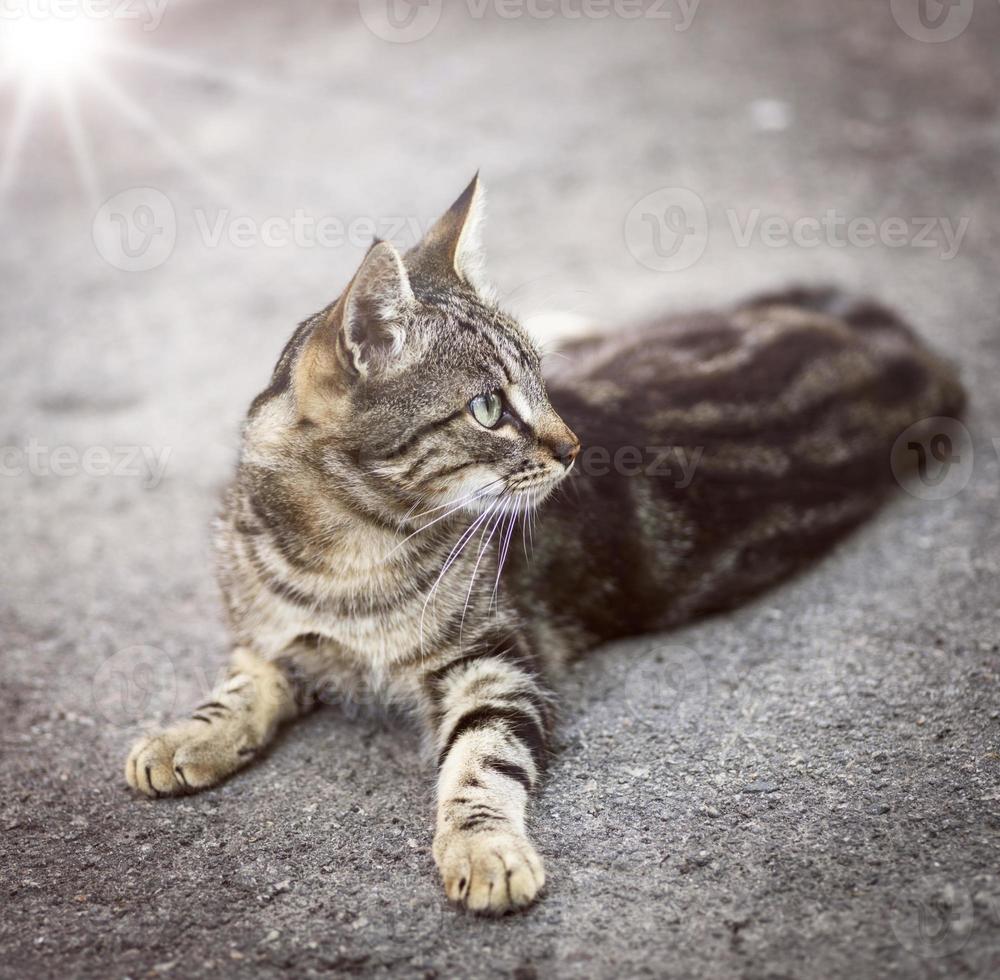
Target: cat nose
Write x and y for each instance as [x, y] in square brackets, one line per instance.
[566, 451]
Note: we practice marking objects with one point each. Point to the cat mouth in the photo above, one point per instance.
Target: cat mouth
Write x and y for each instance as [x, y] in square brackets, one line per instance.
[537, 487]
[527, 489]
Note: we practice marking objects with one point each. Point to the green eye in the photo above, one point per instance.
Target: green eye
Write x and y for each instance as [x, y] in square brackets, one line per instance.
[487, 409]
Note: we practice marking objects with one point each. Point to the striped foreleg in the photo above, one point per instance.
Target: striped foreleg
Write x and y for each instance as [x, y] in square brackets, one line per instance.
[492, 718]
[240, 717]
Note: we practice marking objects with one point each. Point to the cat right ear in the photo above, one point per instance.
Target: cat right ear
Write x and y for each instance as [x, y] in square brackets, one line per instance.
[452, 245]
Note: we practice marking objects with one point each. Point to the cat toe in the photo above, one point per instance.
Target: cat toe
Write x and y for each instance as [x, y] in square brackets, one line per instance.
[490, 873]
[150, 768]
[186, 758]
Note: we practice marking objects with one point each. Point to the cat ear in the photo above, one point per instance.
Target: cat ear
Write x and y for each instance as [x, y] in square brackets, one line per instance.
[452, 246]
[374, 308]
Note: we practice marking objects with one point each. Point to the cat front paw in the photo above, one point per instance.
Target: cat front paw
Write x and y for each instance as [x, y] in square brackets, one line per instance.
[490, 872]
[188, 756]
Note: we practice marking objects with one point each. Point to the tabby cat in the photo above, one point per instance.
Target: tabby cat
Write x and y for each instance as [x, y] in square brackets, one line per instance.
[408, 428]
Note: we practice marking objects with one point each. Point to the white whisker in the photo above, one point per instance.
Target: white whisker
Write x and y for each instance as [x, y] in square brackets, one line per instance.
[485, 538]
[455, 506]
[524, 525]
[505, 537]
[453, 556]
[472, 496]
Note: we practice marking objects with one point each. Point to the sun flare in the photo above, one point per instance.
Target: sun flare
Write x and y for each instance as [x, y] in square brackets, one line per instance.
[51, 49]
[65, 55]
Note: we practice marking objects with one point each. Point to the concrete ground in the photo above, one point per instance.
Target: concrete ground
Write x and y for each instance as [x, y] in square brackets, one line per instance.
[805, 788]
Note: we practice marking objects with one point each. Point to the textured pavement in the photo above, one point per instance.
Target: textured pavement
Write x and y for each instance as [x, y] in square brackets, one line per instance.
[805, 788]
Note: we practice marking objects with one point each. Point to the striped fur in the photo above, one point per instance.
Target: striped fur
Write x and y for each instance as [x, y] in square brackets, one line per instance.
[790, 405]
[364, 537]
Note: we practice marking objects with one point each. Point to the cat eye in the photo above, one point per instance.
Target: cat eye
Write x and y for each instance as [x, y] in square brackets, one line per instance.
[487, 409]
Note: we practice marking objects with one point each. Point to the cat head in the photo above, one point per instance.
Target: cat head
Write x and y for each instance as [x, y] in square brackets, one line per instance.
[415, 387]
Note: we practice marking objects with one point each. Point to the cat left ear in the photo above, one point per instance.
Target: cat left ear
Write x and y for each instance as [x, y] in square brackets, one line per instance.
[452, 246]
[374, 308]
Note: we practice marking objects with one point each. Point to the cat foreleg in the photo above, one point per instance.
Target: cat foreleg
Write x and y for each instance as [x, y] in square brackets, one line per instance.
[491, 730]
[223, 734]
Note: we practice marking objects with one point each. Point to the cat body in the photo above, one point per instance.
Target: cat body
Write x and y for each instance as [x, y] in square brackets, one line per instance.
[729, 450]
[375, 540]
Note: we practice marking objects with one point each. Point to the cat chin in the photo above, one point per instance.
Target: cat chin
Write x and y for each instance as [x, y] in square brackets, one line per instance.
[536, 493]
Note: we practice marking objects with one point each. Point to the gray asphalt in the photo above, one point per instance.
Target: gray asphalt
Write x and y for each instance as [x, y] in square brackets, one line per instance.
[805, 788]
